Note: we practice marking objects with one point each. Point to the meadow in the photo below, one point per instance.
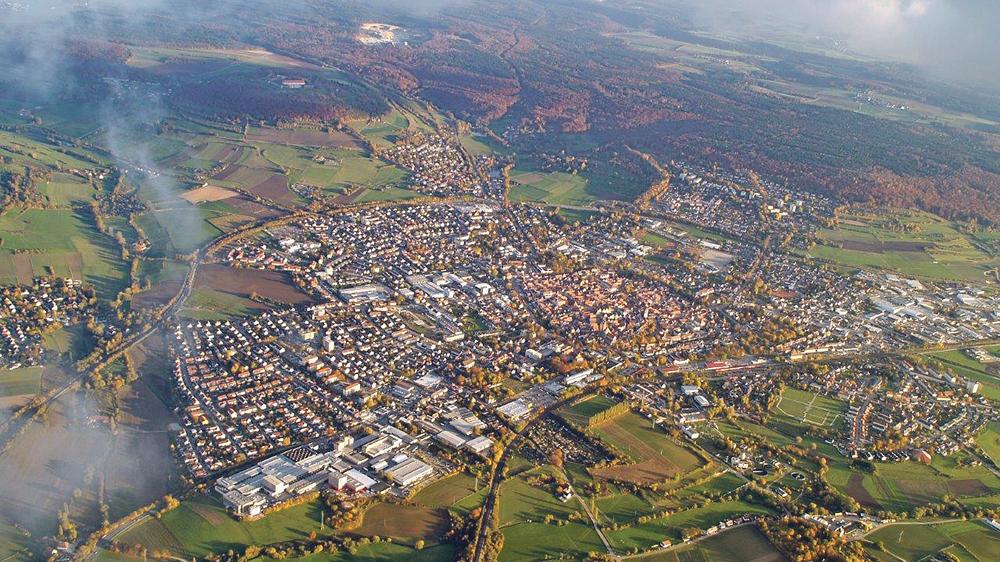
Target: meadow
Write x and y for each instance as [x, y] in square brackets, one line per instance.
[740, 544]
[646, 535]
[63, 242]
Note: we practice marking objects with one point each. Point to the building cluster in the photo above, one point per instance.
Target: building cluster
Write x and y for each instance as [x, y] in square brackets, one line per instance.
[438, 166]
[27, 313]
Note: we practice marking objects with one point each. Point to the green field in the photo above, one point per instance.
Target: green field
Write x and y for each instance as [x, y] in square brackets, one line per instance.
[386, 194]
[579, 414]
[210, 304]
[735, 545]
[649, 534]
[901, 486]
[37, 242]
[968, 540]
[201, 526]
[989, 440]
[924, 246]
[20, 382]
[447, 491]
[526, 537]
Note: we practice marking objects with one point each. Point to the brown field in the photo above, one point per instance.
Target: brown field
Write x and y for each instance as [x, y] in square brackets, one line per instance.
[968, 487]
[882, 247]
[349, 198]
[229, 153]
[644, 473]
[404, 522]
[651, 468]
[305, 137]
[274, 188]
[252, 208]
[241, 282]
[208, 193]
[856, 490]
[228, 223]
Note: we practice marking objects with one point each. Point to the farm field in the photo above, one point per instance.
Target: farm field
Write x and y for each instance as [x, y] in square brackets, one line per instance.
[904, 485]
[447, 491]
[741, 544]
[200, 526]
[404, 523]
[522, 510]
[655, 456]
[64, 242]
[906, 242]
[652, 533]
[968, 540]
[49, 462]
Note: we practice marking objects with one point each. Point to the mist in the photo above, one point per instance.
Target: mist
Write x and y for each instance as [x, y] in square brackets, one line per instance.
[951, 40]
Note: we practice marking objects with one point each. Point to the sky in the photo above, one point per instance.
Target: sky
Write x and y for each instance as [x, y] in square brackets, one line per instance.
[949, 39]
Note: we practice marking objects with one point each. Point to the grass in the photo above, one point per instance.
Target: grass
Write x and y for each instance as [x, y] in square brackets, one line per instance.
[735, 545]
[447, 491]
[387, 194]
[962, 364]
[931, 248]
[21, 382]
[210, 304]
[526, 537]
[201, 526]
[969, 540]
[649, 534]
[381, 552]
[902, 486]
[64, 242]
[404, 522]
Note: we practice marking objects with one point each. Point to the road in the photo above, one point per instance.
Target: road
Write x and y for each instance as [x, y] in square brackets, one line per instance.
[489, 504]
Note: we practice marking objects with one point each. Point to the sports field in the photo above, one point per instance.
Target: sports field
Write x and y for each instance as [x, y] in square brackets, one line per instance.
[811, 408]
[556, 188]
[967, 540]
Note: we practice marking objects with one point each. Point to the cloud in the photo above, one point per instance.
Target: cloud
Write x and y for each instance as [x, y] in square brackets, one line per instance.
[950, 39]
